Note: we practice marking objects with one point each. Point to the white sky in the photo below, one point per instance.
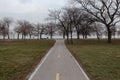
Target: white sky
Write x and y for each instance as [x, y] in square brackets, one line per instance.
[31, 10]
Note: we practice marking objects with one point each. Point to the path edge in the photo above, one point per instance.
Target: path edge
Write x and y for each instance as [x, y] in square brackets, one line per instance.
[32, 74]
[86, 76]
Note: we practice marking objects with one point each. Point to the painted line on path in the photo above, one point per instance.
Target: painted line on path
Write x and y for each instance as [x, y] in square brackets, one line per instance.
[57, 76]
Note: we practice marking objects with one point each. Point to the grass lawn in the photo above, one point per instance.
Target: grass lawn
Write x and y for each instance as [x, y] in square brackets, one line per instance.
[19, 57]
[99, 59]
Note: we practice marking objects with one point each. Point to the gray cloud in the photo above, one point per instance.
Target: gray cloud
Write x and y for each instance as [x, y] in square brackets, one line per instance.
[32, 10]
[26, 1]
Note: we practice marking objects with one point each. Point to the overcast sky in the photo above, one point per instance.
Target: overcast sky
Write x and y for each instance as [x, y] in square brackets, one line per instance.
[31, 10]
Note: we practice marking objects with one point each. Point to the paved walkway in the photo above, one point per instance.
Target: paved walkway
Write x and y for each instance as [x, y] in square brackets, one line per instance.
[59, 64]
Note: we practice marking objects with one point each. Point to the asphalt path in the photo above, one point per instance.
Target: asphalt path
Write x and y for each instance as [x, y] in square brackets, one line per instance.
[59, 64]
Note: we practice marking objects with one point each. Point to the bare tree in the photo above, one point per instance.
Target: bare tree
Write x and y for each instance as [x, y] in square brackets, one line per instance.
[61, 30]
[50, 29]
[59, 17]
[30, 29]
[18, 31]
[104, 11]
[75, 17]
[25, 28]
[3, 29]
[40, 29]
[7, 21]
[79, 20]
[85, 29]
[84, 26]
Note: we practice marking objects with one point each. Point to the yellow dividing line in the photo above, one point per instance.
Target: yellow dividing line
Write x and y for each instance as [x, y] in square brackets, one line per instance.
[57, 76]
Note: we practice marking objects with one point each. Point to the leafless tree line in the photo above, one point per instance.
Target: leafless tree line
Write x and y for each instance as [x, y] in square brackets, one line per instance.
[88, 17]
[106, 12]
[25, 29]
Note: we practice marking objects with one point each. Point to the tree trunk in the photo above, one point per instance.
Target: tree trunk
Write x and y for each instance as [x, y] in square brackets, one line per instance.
[78, 36]
[18, 36]
[8, 33]
[51, 36]
[109, 35]
[98, 36]
[67, 34]
[71, 37]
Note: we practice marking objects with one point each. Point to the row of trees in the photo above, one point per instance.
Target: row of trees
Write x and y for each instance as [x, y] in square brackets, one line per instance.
[25, 29]
[106, 12]
[88, 17]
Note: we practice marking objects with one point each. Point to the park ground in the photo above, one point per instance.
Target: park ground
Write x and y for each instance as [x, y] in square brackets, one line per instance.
[100, 60]
[19, 57]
